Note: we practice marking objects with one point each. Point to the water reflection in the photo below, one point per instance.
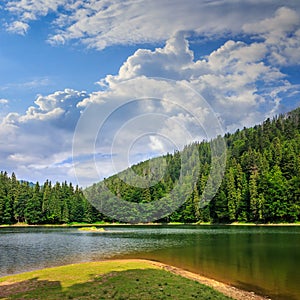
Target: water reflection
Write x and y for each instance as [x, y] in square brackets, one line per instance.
[264, 259]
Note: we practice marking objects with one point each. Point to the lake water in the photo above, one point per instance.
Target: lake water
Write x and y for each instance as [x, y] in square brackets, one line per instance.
[257, 258]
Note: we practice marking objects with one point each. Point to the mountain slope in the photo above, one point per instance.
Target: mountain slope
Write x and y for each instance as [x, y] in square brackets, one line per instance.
[261, 182]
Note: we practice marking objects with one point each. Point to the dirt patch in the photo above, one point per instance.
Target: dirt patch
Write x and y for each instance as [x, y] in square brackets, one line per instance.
[9, 289]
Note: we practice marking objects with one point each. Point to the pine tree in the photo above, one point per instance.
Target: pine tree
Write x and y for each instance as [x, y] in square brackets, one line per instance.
[46, 208]
[254, 199]
[25, 193]
[33, 212]
[231, 195]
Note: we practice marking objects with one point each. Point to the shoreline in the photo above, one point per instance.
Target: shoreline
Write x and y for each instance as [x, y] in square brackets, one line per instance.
[145, 224]
[226, 289]
[222, 287]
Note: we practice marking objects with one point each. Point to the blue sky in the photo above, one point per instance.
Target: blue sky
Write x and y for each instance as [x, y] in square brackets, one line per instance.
[98, 85]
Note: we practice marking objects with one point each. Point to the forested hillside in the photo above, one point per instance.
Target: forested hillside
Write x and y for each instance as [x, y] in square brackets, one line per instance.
[261, 184]
[261, 181]
[46, 204]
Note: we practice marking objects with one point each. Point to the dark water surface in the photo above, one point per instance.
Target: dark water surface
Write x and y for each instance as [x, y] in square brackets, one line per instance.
[258, 258]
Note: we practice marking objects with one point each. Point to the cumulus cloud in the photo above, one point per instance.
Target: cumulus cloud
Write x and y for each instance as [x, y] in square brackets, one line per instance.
[59, 105]
[18, 27]
[37, 141]
[172, 61]
[281, 33]
[230, 78]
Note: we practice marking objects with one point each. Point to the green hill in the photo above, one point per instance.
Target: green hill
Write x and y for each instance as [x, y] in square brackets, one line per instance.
[261, 182]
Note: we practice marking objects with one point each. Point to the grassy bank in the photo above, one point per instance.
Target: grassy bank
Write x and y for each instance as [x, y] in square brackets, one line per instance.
[104, 280]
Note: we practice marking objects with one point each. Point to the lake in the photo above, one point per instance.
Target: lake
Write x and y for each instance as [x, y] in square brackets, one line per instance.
[256, 258]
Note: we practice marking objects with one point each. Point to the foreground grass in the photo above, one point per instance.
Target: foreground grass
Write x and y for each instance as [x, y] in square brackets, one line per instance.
[104, 280]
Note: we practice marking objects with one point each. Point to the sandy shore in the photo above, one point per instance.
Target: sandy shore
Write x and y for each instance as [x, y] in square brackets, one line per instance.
[226, 289]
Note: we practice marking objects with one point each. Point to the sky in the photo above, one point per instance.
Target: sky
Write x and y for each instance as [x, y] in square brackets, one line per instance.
[90, 87]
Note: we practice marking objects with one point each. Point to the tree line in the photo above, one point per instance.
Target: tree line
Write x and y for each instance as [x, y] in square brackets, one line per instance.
[261, 183]
[60, 203]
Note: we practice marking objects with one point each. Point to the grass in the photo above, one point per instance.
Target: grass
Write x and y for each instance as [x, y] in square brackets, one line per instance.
[89, 224]
[104, 224]
[92, 228]
[104, 280]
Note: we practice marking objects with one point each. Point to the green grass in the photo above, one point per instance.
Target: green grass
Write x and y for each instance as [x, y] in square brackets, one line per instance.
[104, 280]
[87, 224]
[92, 228]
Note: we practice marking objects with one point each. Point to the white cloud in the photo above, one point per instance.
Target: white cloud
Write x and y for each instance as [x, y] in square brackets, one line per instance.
[38, 142]
[59, 105]
[3, 101]
[99, 24]
[230, 78]
[281, 33]
[172, 61]
[285, 20]
[18, 27]
[31, 10]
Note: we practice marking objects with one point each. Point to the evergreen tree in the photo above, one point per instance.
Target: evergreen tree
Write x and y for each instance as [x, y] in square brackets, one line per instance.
[25, 193]
[33, 212]
[254, 198]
